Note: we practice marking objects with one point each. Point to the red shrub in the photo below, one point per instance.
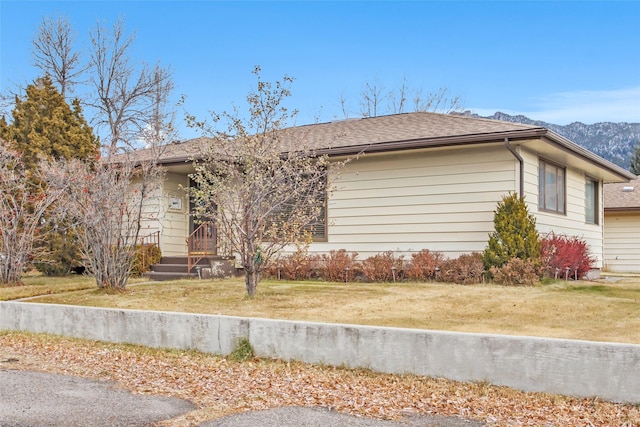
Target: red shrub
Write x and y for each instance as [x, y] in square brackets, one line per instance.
[560, 253]
[334, 264]
[383, 267]
[423, 265]
[298, 265]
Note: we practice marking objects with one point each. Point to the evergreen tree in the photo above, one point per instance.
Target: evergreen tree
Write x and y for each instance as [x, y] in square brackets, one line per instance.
[44, 125]
[515, 234]
[634, 166]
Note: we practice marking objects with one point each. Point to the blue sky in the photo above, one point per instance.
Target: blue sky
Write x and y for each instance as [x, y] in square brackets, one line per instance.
[554, 61]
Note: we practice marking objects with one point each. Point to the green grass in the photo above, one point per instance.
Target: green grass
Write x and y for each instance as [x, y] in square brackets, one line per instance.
[598, 311]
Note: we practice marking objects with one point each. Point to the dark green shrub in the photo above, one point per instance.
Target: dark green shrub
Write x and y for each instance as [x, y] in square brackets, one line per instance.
[467, 269]
[334, 265]
[423, 265]
[515, 234]
[383, 267]
[146, 255]
[60, 252]
[516, 272]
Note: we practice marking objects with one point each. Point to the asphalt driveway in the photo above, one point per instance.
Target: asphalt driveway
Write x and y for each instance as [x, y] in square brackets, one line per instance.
[36, 399]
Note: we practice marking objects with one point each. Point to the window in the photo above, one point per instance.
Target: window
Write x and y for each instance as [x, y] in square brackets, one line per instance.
[591, 201]
[551, 187]
[315, 217]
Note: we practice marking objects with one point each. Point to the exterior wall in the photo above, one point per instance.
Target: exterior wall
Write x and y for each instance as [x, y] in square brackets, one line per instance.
[441, 200]
[151, 213]
[573, 222]
[174, 217]
[621, 242]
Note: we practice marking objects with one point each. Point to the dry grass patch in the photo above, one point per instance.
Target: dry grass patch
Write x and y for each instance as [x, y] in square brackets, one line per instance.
[597, 311]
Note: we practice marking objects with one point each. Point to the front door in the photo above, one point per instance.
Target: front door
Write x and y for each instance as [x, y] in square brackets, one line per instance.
[202, 232]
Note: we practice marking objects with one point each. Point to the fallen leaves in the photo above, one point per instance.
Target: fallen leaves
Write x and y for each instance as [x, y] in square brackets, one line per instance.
[220, 387]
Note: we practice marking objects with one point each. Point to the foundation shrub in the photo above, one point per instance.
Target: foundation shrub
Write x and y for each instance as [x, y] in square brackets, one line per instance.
[299, 265]
[422, 266]
[515, 234]
[559, 252]
[516, 272]
[383, 267]
[334, 264]
[467, 269]
[146, 255]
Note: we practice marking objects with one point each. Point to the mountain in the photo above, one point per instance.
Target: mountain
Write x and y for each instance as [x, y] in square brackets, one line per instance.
[612, 141]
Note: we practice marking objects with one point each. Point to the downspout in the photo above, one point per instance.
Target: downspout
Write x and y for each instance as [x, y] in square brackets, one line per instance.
[521, 160]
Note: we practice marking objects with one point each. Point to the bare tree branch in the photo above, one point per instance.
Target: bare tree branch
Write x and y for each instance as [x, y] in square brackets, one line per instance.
[54, 53]
[127, 101]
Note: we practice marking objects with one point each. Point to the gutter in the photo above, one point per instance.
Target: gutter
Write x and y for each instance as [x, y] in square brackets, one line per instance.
[521, 160]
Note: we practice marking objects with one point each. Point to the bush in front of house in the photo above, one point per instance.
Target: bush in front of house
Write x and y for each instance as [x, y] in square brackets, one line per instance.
[515, 234]
[298, 265]
[383, 267]
[423, 265]
[467, 269]
[339, 266]
[565, 256]
[146, 255]
[516, 272]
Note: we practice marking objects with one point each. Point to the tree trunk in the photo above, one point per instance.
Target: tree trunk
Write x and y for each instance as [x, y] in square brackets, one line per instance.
[251, 281]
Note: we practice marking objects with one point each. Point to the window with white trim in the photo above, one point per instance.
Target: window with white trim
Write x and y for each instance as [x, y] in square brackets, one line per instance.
[551, 187]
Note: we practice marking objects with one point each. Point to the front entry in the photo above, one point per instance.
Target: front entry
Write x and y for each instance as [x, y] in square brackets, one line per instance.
[203, 237]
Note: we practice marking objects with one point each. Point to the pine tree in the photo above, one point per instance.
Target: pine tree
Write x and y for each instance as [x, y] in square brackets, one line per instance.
[44, 125]
[634, 166]
[515, 234]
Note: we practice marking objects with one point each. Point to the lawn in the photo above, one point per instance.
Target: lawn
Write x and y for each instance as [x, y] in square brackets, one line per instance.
[597, 311]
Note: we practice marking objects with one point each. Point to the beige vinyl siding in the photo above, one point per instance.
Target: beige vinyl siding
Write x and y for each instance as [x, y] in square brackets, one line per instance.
[151, 212]
[175, 222]
[622, 242]
[573, 222]
[438, 200]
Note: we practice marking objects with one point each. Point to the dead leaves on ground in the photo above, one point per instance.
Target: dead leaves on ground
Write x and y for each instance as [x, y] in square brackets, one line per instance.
[220, 387]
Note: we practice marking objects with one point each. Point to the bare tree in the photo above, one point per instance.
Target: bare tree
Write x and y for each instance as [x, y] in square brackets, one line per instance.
[372, 97]
[104, 205]
[375, 100]
[398, 98]
[55, 55]
[23, 203]
[440, 101]
[262, 184]
[126, 99]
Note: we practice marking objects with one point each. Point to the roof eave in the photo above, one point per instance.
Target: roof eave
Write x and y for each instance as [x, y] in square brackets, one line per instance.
[587, 155]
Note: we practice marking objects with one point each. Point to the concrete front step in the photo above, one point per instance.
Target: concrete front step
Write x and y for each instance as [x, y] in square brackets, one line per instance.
[163, 276]
[175, 268]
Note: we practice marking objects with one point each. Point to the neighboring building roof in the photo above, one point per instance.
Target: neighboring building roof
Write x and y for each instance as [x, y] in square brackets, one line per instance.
[624, 196]
[406, 131]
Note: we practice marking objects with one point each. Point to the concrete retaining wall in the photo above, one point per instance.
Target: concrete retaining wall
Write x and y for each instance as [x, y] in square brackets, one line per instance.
[579, 368]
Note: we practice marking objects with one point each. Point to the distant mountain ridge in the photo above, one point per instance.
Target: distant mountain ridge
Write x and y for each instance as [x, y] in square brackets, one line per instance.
[612, 141]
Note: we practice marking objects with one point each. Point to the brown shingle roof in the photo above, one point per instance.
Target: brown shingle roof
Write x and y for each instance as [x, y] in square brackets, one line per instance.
[624, 196]
[352, 135]
[397, 132]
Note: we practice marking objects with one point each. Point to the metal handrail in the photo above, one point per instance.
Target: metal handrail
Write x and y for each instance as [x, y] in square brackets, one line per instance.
[152, 239]
[201, 243]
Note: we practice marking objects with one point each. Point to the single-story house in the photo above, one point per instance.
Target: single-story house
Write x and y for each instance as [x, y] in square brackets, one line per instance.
[425, 181]
[622, 227]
